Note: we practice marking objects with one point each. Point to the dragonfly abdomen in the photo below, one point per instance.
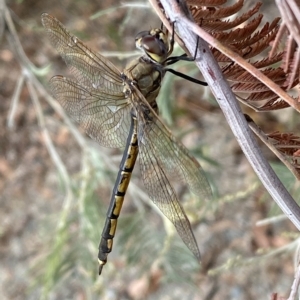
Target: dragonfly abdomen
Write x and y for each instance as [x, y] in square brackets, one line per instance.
[120, 188]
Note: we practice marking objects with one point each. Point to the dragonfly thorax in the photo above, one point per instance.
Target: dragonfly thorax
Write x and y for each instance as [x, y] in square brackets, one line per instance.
[147, 76]
[155, 44]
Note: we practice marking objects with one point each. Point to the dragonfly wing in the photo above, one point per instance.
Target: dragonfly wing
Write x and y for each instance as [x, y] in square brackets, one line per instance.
[104, 116]
[162, 159]
[172, 155]
[91, 69]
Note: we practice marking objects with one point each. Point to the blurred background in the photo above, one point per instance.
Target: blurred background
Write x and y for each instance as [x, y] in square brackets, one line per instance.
[55, 182]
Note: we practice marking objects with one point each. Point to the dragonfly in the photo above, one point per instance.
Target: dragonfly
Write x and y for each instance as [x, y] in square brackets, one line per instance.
[119, 109]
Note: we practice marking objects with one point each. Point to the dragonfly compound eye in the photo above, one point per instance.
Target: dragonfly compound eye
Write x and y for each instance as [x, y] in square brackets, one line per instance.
[154, 43]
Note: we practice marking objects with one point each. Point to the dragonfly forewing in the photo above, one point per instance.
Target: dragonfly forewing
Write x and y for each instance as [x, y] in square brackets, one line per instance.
[104, 116]
[91, 69]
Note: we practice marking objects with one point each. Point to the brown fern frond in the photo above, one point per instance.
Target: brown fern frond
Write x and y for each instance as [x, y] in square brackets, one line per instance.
[245, 39]
[219, 25]
[289, 30]
[250, 45]
[239, 34]
[292, 68]
[275, 74]
[241, 41]
[238, 76]
[259, 46]
[264, 94]
[214, 13]
[290, 48]
[280, 35]
[267, 61]
[268, 29]
[242, 35]
[254, 97]
[286, 143]
[286, 146]
[246, 87]
[274, 104]
[208, 3]
[233, 72]
[290, 61]
[255, 87]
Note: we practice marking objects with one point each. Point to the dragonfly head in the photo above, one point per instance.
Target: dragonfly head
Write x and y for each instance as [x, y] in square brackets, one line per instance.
[155, 44]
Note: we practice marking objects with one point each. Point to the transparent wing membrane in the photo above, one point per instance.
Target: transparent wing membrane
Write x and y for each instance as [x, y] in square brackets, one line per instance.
[115, 113]
[91, 69]
[104, 116]
[161, 160]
